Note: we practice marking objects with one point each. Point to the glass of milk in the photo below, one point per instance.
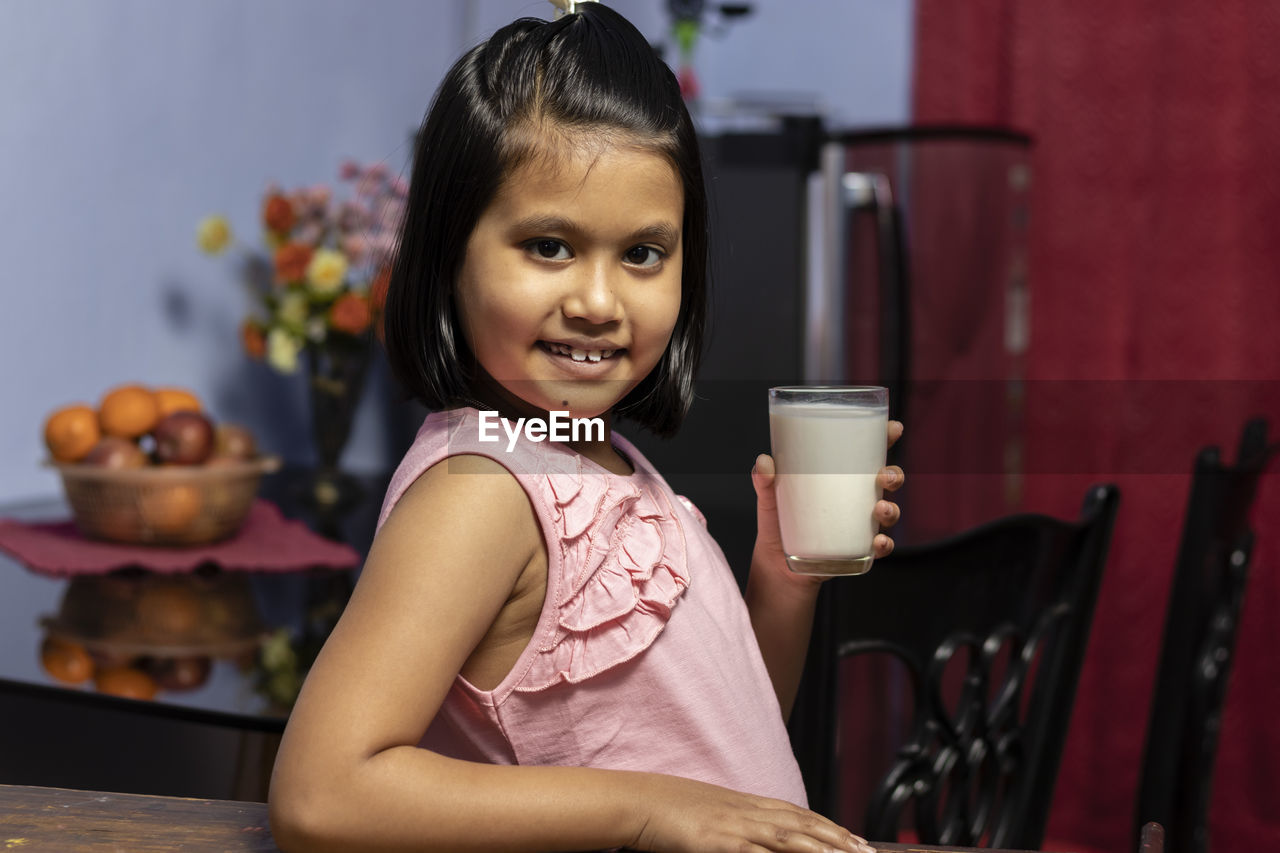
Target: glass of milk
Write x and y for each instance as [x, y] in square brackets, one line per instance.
[829, 444]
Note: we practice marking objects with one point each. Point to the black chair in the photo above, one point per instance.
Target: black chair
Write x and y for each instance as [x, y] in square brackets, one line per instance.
[1209, 582]
[985, 633]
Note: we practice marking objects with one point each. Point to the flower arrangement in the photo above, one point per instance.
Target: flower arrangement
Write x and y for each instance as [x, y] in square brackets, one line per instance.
[320, 289]
[323, 279]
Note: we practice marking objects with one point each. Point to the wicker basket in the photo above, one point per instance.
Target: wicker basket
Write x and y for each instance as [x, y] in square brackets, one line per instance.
[175, 505]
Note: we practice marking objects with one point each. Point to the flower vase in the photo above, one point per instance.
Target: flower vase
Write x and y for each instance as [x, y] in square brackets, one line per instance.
[336, 372]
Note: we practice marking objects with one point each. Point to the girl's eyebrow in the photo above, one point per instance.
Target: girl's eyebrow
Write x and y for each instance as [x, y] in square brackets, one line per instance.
[661, 232]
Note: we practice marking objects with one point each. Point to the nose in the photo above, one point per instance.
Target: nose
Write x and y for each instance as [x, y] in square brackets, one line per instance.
[593, 295]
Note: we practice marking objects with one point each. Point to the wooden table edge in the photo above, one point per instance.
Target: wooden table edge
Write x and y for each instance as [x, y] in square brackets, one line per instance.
[70, 820]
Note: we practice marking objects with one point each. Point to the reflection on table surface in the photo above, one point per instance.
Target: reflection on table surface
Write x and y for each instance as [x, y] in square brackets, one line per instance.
[211, 640]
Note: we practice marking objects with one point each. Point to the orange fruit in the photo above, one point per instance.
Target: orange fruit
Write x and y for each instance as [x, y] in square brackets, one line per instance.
[169, 510]
[128, 411]
[127, 682]
[71, 432]
[66, 661]
[171, 400]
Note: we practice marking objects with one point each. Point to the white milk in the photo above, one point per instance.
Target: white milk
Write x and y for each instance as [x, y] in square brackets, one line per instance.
[827, 457]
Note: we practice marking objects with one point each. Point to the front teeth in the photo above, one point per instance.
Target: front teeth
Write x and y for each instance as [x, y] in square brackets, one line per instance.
[580, 354]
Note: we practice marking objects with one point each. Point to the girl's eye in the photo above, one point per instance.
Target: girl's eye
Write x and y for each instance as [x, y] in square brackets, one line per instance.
[551, 250]
[643, 256]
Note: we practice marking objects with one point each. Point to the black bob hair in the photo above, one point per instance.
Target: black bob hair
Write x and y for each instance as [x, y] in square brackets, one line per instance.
[590, 72]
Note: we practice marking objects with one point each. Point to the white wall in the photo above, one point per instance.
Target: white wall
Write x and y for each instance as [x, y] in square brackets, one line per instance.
[851, 57]
[123, 122]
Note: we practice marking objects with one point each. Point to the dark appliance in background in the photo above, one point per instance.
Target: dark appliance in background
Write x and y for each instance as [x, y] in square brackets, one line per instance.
[917, 281]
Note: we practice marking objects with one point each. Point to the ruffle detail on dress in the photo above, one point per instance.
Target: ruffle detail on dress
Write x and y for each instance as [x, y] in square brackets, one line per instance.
[632, 568]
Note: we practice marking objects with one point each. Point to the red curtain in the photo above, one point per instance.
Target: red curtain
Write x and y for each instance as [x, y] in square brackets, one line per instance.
[1154, 275]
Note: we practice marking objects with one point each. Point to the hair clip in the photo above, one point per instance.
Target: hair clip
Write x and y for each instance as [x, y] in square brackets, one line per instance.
[568, 7]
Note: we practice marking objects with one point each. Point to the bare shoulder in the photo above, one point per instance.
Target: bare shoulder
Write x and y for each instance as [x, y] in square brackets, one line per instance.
[465, 526]
[439, 574]
[462, 493]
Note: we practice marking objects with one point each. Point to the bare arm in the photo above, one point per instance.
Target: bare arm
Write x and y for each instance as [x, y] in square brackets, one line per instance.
[780, 602]
[350, 776]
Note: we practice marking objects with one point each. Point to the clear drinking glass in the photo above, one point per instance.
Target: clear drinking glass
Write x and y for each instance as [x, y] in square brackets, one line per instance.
[829, 444]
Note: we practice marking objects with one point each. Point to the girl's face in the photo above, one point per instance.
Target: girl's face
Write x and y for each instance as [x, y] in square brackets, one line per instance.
[571, 282]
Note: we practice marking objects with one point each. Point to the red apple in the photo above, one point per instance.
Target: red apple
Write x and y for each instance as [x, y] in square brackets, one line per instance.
[115, 452]
[184, 438]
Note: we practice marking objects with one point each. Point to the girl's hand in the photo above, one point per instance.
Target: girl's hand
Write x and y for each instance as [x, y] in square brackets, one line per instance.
[768, 537]
[694, 816]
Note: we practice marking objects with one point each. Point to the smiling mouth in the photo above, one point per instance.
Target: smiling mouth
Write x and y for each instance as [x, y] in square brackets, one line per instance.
[579, 354]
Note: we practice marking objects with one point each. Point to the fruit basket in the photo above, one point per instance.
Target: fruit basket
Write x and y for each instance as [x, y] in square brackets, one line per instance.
[163, 505]
[135, 633]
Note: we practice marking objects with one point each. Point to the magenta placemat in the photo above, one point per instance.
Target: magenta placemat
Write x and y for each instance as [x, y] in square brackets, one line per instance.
[268, 542]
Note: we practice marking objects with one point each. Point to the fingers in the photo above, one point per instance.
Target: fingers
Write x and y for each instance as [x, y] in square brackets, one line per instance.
[802, 830]
[861, 844]
[887, 513]
[763, 471]
[895, 432]
[891, 478]
[684, 815]
[768, 536]
[762, 478]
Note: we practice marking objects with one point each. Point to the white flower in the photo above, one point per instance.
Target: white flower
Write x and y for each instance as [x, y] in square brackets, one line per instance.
[282, 350]
[327, 271]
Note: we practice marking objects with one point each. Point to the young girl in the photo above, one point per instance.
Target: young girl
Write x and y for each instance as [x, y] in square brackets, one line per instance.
[546, 649]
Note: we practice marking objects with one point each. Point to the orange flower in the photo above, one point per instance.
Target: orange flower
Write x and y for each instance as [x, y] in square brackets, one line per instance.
[292, 260]
[277, 214]
[350, 314]
[255, 342]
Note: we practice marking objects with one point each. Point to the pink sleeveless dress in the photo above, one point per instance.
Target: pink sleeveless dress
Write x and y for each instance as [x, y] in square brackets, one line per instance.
[643, 657]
